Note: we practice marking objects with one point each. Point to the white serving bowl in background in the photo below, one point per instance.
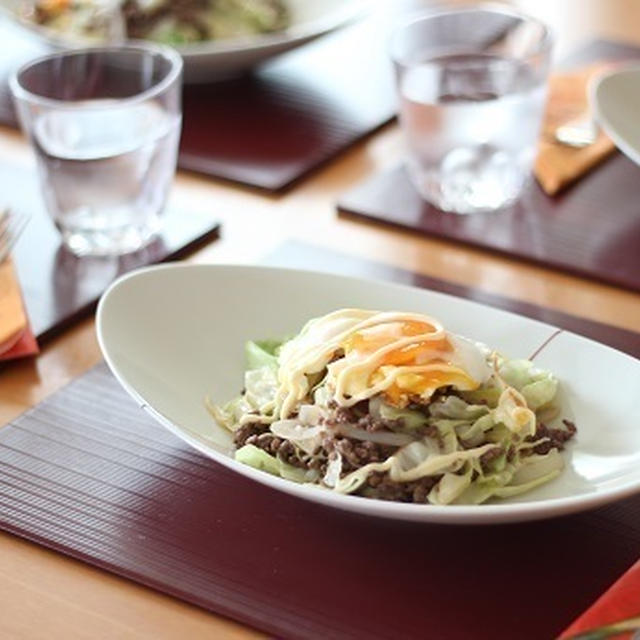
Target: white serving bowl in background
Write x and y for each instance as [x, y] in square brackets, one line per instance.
[615, 101]
[214, 59]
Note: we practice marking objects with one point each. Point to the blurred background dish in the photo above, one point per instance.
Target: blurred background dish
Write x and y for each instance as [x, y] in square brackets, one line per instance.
[164, 21]
[615, 99]
[216, 38]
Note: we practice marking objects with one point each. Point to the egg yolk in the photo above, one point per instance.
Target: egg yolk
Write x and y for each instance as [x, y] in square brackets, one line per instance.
[424, 384]
[425, 352]
[370, 340]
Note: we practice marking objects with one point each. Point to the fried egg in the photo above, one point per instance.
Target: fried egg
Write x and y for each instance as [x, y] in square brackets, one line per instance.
[403, 356]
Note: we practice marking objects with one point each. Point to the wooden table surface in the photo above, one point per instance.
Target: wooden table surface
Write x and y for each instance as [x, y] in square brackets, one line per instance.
[45, 595]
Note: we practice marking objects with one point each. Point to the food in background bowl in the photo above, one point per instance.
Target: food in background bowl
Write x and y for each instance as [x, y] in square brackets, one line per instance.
[171, 22]
[389, 405]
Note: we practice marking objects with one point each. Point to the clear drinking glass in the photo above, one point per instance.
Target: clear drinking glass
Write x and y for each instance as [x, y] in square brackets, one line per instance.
[105, 126]
[472, 89]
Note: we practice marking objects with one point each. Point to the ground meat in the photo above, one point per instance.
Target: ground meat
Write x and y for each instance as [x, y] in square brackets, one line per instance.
[487, 458]
[347, 415]
[379, 485]
[262, 441]
[260, 436]
[431, 431]
[288, 453]
[369, 423]
[359, 416]
[245, 432]
[317, 462]
[556, 438]
[280, 448]
[357, 453]
[344, 415]
[140, 21]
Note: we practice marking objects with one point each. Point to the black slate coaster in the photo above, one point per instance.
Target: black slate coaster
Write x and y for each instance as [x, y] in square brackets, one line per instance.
[58, 287]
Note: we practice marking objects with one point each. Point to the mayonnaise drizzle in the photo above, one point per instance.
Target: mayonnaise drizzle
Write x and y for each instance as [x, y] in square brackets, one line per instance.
[321, 339]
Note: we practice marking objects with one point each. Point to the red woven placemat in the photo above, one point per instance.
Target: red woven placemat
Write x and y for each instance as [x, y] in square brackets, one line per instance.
[592, 229]
[89, 474]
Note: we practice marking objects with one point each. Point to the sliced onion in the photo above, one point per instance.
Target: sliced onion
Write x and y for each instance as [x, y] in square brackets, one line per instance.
[380, 437]
[334, 469]
[309, 414]
[307, 438]
[374, 406]
[289, 427]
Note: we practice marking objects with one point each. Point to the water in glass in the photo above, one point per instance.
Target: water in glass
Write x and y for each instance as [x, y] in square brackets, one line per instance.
[471, 123]
[105, 171]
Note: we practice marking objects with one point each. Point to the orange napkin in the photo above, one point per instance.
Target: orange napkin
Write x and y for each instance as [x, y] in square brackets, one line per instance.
[16, 338]
[558, 165]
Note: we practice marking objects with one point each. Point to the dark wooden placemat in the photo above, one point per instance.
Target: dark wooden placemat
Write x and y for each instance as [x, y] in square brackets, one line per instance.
[592, 229]
[90, 475]
[270, 128]
[58, 287]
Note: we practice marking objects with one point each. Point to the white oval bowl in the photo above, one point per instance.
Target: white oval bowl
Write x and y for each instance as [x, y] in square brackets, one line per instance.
[173, 334]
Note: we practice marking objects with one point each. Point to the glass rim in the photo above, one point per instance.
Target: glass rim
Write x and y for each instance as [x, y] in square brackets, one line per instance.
[170, 54]
[543, 48]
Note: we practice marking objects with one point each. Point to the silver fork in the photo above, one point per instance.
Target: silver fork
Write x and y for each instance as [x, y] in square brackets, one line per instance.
[11, 226]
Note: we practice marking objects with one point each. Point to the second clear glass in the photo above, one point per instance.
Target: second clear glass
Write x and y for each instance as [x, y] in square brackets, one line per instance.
[472, 90]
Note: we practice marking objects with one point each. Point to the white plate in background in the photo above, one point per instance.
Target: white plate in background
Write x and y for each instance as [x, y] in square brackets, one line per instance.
[213, 59]
[615, 100]
[174, 334]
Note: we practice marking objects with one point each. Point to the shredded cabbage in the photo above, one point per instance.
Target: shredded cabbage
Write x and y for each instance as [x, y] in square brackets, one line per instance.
[260, 459]
[262, 354]
[455, 445]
